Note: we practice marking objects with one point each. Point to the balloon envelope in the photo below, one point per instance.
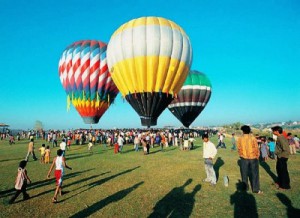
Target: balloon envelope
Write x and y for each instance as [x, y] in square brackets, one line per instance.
[85, 77]
[192, 98]
[149, 59]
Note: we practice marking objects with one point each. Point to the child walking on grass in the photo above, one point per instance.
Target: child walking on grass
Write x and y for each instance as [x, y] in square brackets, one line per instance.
[42, 150]
[21, 182]
[264, 149]
[47, 155]
[60, 163]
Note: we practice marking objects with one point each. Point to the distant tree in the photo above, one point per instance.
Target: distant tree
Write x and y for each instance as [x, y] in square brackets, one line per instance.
[237, 125]
[226, 126]
[38, 125]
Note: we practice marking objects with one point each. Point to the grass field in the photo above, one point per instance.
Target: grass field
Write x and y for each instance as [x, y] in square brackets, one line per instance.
[162, 184]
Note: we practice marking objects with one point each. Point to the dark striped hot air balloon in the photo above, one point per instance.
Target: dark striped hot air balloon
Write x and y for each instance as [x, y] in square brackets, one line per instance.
[192, 98]
[85, 77]
[149, 59]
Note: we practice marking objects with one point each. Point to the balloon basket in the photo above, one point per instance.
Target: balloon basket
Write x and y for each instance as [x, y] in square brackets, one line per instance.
[148, 121]
[90, 120]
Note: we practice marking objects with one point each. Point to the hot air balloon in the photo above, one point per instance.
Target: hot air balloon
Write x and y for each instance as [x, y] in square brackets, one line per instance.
[85, 77]
[192, 98]
[149, 59]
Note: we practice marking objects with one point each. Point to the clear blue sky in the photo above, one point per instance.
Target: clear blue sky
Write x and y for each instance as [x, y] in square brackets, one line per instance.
[250, 50]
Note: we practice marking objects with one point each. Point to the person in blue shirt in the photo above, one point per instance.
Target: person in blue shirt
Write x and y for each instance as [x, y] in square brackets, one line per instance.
[271, 145]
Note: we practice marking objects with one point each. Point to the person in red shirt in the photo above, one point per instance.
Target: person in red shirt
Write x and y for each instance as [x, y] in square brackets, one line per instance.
[116, 146]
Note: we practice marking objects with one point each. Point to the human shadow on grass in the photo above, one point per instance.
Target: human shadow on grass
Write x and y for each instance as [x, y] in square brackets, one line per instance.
[85, 151]
[81, 153]
[156, 151]
[127, 151]
[219, 162]
[267, 168]
[101, 181]
[169, 149]
[79, 156]
[177, 203]
[75, 147]
[68, 184]
[106, 201]
[290, 210]
[11, 159]
[244, 203]
[40, 183]
[196, 147]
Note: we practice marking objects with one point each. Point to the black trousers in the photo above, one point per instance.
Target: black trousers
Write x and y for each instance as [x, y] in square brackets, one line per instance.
[249, 168]
[18, 192]
[283, 179]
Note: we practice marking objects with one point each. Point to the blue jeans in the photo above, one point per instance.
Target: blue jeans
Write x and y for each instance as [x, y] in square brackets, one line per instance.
[136, 147]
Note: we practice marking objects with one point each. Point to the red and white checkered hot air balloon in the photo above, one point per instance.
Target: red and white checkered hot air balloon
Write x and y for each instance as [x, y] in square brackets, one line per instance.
[84, 74]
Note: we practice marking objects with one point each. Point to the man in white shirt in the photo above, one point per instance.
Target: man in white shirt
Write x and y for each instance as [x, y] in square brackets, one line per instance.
[209, 152]
[63, 146]
[120, 142]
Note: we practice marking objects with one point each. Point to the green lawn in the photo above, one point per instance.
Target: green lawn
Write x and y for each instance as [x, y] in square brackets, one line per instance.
[131, 184]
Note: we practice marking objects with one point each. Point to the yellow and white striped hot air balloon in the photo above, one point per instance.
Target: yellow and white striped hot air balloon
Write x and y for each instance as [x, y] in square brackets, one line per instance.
[149, 59]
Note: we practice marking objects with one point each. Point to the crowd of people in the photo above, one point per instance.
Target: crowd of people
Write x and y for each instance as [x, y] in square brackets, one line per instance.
[137, 137]
[117, 138]
[253, 149]
[250, 148]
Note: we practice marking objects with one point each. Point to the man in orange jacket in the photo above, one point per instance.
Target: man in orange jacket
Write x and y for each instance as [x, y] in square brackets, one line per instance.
[249, 153]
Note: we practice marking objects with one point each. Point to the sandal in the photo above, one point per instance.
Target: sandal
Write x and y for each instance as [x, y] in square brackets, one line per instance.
[259, 192]
[54, 200]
